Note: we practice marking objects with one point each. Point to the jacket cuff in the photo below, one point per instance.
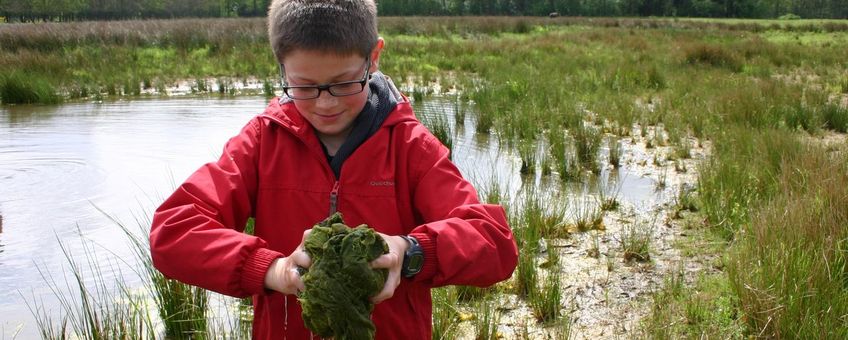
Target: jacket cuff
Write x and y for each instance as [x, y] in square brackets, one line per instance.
[431, 261]
[255, 268]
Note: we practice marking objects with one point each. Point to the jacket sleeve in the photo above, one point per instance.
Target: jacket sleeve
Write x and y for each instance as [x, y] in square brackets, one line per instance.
[465, 242]
[197, 233]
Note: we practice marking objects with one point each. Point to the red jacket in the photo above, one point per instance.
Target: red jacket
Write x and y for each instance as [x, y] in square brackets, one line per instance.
[399, 181]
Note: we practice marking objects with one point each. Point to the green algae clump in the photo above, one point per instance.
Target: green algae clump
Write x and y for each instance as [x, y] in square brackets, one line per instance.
[336, 302]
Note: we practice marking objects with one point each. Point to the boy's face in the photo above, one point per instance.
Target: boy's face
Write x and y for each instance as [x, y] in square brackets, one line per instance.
[332, 116]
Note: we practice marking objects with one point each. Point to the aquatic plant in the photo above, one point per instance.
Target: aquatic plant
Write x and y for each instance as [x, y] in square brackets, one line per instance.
[445, 313]
[486, 320]
[615, 151]
[546, 300]
[339, 284]
[636, 241]
[16, 88]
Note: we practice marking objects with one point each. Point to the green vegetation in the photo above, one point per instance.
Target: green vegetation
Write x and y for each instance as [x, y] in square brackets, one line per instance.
[769, 195]
[546, 300]
[636, 242]
[706, 309]
[340, 281]
[445, 313]
[114, 310]
[486, 321]
[439, 127]
[784, 10]
[15, 88]
[797, 283]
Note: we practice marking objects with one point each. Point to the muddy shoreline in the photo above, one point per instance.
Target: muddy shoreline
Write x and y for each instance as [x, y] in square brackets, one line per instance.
[604, 295]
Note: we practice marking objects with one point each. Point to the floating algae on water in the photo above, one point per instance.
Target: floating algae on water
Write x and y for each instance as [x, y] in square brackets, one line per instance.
[340, 282]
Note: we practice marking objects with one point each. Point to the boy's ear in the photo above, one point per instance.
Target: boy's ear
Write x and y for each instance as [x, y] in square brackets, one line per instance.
[375, 55]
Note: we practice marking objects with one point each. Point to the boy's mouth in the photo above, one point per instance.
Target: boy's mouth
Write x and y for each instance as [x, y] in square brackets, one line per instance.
[329, 117]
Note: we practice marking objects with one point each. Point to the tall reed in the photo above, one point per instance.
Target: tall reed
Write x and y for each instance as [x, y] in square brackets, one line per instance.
[546, 300]
[17, 88]
[101, 310]
[445, 313]
[789, 272]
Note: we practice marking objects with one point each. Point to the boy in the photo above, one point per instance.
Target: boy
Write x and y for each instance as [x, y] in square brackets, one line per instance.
[341, 139]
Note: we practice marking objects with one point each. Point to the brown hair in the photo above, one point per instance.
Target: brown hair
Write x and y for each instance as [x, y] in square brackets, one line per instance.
[342, 27]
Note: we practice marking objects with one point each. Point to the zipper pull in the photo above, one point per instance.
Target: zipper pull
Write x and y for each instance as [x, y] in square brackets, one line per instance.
[334, 197]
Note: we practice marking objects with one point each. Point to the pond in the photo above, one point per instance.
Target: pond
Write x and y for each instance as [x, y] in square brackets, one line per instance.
[60, 166]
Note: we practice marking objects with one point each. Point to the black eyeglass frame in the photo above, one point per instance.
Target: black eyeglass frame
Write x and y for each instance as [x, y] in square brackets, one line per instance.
[326, 87]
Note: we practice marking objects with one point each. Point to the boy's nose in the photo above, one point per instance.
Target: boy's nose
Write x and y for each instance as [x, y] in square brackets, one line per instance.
[325, 99]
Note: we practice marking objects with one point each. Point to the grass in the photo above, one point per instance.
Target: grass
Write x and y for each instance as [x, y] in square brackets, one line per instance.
[790, 272]
[100, 310]
[753, 89]
[713, 55]
[835, 118]
[439, 126]
[544, 215]
[546, 300]
[705, 309]
[17, 88]
[104, 310]
[608, 195]
[588, 142]
[615, 151]
[182, 308]
[487, 318]
[527, 151]
[686, 200]
[741, 173]
[636, 242]
[445, 313]
[785, 272]
[588, 217]
[526, 272]
[564, 158]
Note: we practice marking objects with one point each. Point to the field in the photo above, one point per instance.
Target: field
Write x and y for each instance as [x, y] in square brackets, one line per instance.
[751, 114]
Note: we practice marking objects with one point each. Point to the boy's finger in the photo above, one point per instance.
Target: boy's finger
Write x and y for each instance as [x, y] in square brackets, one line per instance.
[385, 261]
[300, 258]
[389, 288]
[293, 278]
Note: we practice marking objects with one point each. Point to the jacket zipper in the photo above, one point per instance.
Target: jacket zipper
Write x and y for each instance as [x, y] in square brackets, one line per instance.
[334, 197]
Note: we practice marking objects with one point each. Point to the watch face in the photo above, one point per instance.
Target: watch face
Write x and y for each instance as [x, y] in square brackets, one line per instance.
[415, 263]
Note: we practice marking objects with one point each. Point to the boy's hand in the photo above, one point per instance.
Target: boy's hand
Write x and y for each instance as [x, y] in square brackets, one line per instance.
[283, 275]
[392, 261]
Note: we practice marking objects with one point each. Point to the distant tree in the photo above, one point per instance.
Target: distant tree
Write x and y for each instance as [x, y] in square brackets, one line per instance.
[570, 7]
[839, 9]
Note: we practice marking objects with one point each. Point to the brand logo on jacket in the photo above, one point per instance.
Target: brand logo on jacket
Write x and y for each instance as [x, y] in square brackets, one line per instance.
[381, 183]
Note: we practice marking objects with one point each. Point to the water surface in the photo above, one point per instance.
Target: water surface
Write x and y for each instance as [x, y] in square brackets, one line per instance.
[60, 164]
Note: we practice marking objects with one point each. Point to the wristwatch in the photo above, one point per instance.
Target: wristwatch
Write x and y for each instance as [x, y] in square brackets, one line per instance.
[413, 258]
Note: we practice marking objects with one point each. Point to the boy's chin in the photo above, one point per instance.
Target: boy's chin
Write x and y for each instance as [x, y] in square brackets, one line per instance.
[332, 130]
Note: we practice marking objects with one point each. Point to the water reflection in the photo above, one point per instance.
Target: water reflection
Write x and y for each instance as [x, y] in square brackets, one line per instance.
[58, 162]
[28, 114]
[490, 164]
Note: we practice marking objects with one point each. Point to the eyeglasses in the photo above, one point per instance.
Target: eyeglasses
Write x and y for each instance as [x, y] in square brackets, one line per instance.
[341, 89]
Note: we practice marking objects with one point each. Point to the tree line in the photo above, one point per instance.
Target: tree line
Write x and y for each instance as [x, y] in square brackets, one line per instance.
[70, 10]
